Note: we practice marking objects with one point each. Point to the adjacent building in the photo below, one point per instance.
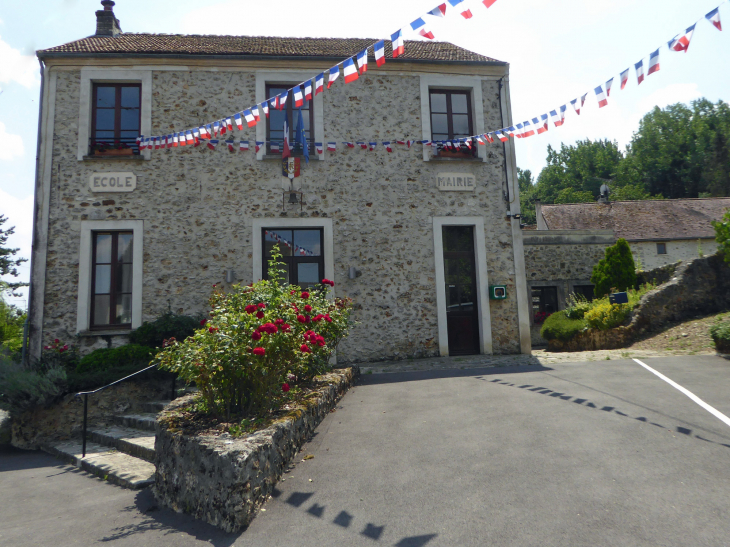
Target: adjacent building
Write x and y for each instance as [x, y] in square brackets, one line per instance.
[417, 237]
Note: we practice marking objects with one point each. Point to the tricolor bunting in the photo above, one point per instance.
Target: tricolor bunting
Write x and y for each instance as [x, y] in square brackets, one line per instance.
[259, 144]
[488, 3]
[501, 136]
[239, 121]
[308, 90]
[387, 146]
[243, 146]
[319, 148]
[216, 128]
[479, 139]
[583, 100]
[362, 145]
[466, 14]
[609, 83]
[332, 74]
[350, 71]
[543, 126]
[265, 108]
[396, 40]
[331, 146]
[439, 11]
[557, 121]
[230, 145]
[298, 97]
[349, 144]
[576, 106]
[250, 118]
[489, 137]
[654, 62]
[379, 50]
[229, 124]
[362, 61]
[639, 71]
[319, 84]
[528, 131]
[223, 128]
[282, 100]
[256, 113]
[176, 140]
[681, 43]
[189, 137]
[196, 136]
[212, 144]
[372, 146]
[714, 18]
[624, 78]
[419, 26]
[287, 148]
[601, 97]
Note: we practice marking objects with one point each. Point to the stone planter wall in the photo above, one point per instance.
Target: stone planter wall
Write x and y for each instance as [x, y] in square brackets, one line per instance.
[224, 481]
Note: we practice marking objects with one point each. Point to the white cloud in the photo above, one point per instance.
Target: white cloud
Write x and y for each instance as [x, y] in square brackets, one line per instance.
[16, 67]
[19, 212]
[10, 145]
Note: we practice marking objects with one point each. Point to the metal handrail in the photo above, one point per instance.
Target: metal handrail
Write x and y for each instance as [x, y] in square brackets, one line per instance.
[86, 400]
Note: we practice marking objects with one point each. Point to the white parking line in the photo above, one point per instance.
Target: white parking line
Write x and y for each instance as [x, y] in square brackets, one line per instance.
[688, 393]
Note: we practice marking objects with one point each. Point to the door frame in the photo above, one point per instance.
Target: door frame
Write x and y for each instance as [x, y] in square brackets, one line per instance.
[482, 281]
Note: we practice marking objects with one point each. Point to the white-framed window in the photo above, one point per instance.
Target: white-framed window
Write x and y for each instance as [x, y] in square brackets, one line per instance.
[110, 275]
[123, 106]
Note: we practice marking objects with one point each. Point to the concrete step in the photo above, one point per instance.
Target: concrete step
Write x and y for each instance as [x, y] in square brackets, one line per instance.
[135, 442]
[109, 464]
[155, 406]
[144, 420]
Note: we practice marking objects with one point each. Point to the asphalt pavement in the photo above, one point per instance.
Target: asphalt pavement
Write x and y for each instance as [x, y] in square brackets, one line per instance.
[599, 453]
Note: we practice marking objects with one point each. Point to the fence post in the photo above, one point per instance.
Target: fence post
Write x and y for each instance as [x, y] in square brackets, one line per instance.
[83, 442]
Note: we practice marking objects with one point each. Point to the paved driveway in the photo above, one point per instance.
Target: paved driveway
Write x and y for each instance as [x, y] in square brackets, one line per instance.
[601, 453]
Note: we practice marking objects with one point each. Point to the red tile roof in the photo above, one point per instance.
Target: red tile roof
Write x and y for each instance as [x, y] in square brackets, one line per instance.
[255, 46]
[650, 220]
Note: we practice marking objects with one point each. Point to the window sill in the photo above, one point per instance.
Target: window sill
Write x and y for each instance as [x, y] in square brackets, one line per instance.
[138, 157]
[109, 332]
[446, 159]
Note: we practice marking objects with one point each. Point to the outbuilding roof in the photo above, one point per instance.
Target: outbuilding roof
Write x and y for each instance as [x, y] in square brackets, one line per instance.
[257, 46]
[648, 220]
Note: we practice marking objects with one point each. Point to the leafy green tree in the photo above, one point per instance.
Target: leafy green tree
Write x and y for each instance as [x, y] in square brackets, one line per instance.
[616, 270]
[11, 328]
[528, 195]
[8, 262]
[722, 235]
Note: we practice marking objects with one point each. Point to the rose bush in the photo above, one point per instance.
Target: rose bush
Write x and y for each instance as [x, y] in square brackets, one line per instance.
[257, 338]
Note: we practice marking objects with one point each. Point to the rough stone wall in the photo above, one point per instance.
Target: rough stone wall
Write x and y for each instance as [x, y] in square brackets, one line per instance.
[562, 262]
[225, 481]
[198, 206]
[645, 252]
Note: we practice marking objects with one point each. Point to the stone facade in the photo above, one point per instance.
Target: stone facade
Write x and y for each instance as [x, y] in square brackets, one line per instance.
[647, 256]
[199, 206]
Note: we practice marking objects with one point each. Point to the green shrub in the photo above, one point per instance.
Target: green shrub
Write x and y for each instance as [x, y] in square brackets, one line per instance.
[615, 270]
[23, 389]
[153, 334]
[258, 335]
[722, 235]
[720, 333]
[604, 315]
[127, 356]
[577, 306]
[559, 326]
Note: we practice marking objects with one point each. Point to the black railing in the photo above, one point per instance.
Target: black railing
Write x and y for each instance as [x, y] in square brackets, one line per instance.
[86, 400]
[113, 147]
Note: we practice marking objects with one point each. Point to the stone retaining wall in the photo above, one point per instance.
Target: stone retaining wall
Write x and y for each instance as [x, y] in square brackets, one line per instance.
[224, 481]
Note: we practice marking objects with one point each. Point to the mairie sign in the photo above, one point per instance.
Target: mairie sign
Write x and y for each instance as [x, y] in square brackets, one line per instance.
[456, 182]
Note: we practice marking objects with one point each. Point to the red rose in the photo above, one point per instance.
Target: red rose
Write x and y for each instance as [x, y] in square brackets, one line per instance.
[307, 308]
[292, 292]
[285, 387]
[256, 335]
[259, 351]
[318, 318]
[285, 327]
[212, 329]
[328, 318]
[269, 328]
[328, 282]
[305, 349]
[262, 306]
[301, 319]
[320, 341]
[294, 307]
[56, 341]
[250, 308]
[203, 322]
[305, 295]
[279, 322]
[307, 319]
[260, 315]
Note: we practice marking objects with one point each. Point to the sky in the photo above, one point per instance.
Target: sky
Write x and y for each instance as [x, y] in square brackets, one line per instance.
[557, 49]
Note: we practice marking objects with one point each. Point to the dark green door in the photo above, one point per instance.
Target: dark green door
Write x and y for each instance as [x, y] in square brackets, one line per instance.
[462, 311]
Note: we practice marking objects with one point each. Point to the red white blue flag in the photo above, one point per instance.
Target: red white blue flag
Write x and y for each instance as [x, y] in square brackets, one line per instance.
[265, 108]
[479, 139]
[349, 144]
[558, 119]
[488, 3]
[204, 132]
[281, 99]
[576, 106]
[654, 62]
[609, 83]
[501, 136]
[331, 146]
[543, 126]
[175, 140]
[287, 149]
[196, 136]
[259, 144]
[229, 124]
[256, 113]
[714, 18]
[439, 11]
[639, 71]
[466, 14]
[624, 78]
[601, 97]
[681, 43]
[350, 71]
[387, 145]
[243, 146]
[362, 145]
[489, 137]
[511, 131]
[419, 26]
[319, 84]
[583, 100]
[230, 145]
[319, 148]
[333, 74]
[216, 128]
[373, 145]
[379, 49]
[212, 144]
[362, 61]
[298, 96]
[308, 90]
[250, 118]
[528, 131]
[398, 45]
[189, 137]
[275, 147]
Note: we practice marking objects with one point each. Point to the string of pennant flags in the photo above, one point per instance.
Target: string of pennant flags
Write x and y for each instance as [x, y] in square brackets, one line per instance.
[213, 132]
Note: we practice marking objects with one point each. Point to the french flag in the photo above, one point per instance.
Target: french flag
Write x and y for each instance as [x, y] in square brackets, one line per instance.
[466, 14]
[714, 18]
[362, 145]
[419, 25]
[275, 147]
[333, 74]
[250, 118]
[157, 143]
[212, 144]
[576, 106]
[230, 145]
[181, 140]
[511, 131]
[624, 78]
[229, 124]
[243, 146]
[298, 96]
[287, 147]
[349, 144]
[308, 90]
[556, 119]
[379, 49]
[467, 142]
[601, 96]
[489, 137]
[256, 113]
[174, 140]
[362, 61]
[681, 43]
[387, 145]
[583, 100]
[639, 71]
[223, 129]
[189, 137]
[398, 45]
[544, 126]
[654, 62]
[209, 131]
[168, 141]
[204, 132]
[488, 3]
[373, 145]
[331, 146]
[528, 132]
[501, 136]
[520, 131]
[265, 107]
[439, 11]
[281, 99]
[319, 84]
[479, 139]
[216, 128]
[609, 83]
[140, 139]
[239, 121]
[259, 144]
[196, 136]
[320, 149]
[350, 71]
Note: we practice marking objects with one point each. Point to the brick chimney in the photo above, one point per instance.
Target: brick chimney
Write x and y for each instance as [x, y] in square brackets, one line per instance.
[106, 23]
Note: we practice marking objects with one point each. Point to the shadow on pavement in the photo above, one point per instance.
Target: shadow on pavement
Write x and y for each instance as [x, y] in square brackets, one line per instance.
[395, 377]
[585, 403]
[15, 459]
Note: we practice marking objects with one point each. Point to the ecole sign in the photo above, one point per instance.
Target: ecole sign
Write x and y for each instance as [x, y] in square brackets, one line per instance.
[456, 182]
[113, 182]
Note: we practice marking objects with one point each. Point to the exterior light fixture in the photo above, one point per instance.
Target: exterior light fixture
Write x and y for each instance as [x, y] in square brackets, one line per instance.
[352, 274]
[230, 276]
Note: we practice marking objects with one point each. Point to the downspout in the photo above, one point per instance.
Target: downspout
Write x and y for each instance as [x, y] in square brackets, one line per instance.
[504, 148]
[33, 244]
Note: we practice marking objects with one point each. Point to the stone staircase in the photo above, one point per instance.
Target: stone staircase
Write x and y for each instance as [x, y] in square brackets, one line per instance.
[123, 453]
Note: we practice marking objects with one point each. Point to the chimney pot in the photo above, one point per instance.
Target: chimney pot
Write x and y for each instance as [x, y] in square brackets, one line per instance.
[108, 5]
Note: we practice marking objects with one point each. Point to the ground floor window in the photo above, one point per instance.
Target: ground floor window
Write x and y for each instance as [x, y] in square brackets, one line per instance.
[544, 302]
[586, 291]
[302, 254]
[111, 279]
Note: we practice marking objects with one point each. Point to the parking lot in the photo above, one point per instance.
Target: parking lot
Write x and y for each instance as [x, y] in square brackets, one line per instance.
[599, 453]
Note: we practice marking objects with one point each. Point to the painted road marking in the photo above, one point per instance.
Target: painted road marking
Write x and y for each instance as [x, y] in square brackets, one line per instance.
[688, 393]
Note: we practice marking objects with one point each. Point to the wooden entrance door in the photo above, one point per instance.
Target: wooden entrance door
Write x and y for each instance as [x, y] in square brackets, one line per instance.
[462, 311]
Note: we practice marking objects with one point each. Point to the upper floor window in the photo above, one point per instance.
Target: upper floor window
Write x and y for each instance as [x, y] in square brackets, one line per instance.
[275, 127]
[661, 248]
[302, 254]
[111, 279]
[115, 119]
[451, 119]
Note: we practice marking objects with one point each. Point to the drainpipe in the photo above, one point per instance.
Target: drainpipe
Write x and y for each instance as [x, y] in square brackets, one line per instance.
[24, 355]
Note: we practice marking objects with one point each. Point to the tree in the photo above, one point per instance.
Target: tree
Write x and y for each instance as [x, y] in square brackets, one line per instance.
[616, 270]
[527, 196]
[722, 235]
[8, 262]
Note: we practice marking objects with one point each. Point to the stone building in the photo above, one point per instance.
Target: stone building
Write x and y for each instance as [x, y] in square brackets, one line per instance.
[123, 235]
